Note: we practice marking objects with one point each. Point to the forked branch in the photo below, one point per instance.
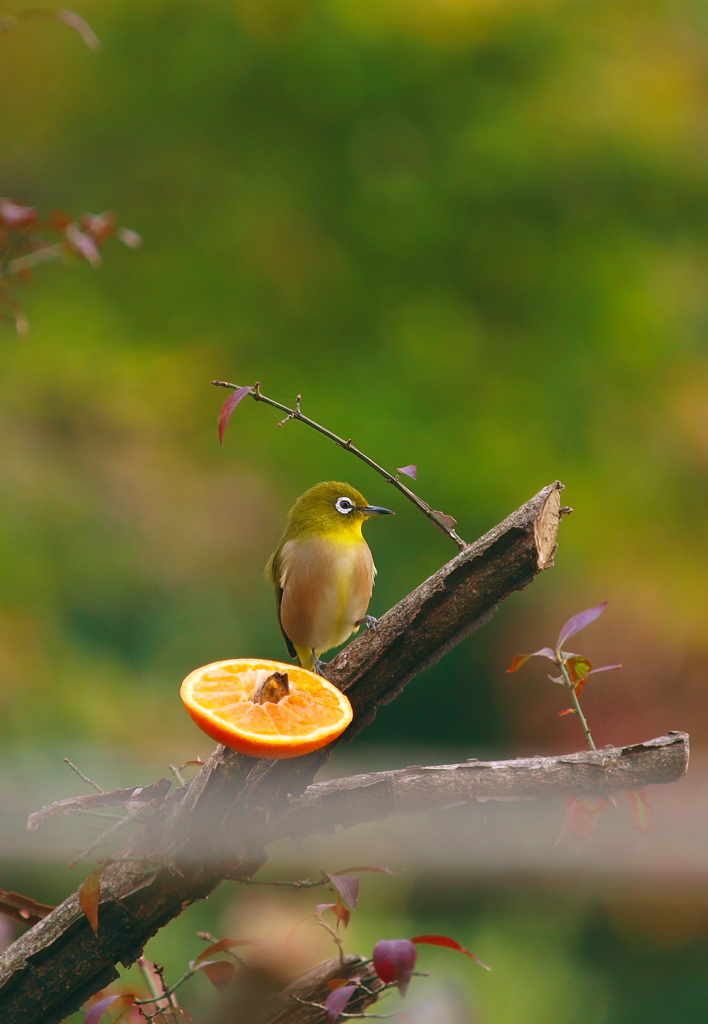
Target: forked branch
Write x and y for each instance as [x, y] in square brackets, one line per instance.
[443, 522]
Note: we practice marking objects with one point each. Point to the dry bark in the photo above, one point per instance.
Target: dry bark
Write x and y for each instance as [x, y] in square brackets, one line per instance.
[377, 795]
[217, 828]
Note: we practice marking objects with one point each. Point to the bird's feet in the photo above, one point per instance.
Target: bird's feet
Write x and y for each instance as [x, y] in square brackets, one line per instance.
[369, 622]
[318, 666]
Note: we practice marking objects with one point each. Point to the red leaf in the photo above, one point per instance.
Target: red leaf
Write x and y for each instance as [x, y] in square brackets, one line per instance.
[336, 1001]
[89, 897]
[222, 944]
[581, 815]
[580, 621]
[579, 668]
[394, 962]
[219, 972]
[347, 887]
[228, 407]
[568, 711]
[443, 940]
[94, 1014]
[521, 659]
[411, 471]
[642, 817]
[197, 760]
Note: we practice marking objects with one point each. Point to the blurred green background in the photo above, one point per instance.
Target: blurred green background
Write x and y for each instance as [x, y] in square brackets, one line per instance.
[474, 236]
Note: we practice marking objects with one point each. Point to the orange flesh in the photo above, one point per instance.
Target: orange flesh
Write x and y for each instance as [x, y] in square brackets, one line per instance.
[218, 697]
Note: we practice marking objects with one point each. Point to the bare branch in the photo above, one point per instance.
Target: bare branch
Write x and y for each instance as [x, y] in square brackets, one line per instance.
[378, 795]
[443, 522]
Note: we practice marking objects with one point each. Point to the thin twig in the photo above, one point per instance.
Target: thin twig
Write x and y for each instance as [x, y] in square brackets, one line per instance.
[105, 835]
[337, 939]
[349, 1016]
[578, 710]
[295, 414]
[86, 779]
[304, 884]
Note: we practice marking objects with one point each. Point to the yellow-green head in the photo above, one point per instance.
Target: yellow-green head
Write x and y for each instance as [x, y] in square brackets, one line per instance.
[330, 509]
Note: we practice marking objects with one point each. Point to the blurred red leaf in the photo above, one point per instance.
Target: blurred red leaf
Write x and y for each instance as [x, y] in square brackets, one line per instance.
[347, 888]
[95, 1012]
[59, 220]
[197, 760]
[100, 226]
[336, 1001]
[83, 245]
[411, 471]
[521, 659]
[381, 868]
[338, 909]
[68, 17]
[130, 238]
[17, 216]
[223, 944]
[228, 407]
[568, 711]
[642, 817]
[90, 896]
[581, 815]
[580, 621]
[394, 962]
[219, 972]
[448, 943]
[22, 908]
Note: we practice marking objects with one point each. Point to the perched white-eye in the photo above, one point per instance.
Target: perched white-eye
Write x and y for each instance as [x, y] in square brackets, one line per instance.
[322, 570]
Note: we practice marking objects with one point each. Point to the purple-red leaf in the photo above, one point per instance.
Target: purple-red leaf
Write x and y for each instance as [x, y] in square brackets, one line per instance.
[83, 244]
[336, 1001]
[448, 943]
[95, 1012]
[603, 668]
[224, 944]
[89, 897]
[394, 962]
[228, 407]
[521, 659]
[219, 972]
[347, 888]
[580, 621]
[411, 471]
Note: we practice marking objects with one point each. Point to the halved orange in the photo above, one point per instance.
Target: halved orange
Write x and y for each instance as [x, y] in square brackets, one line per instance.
[219, 699]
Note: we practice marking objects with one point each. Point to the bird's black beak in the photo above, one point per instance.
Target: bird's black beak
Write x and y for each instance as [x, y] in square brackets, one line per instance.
[376, 510]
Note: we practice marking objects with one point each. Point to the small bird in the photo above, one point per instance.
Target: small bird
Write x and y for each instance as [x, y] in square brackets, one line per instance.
[322, 571]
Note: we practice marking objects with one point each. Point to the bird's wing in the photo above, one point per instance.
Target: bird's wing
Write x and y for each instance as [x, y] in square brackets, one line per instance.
[274, 574]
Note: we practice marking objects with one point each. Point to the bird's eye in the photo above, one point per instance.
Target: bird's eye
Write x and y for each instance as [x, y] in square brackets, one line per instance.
[344, 505]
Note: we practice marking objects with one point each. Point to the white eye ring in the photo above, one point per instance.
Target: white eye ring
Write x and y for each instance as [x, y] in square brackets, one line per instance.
[344, 505]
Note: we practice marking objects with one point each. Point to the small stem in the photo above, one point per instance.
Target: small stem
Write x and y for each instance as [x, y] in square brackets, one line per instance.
[33, 259]
[304, 884]
[337, 940]
[579, 711]
[86, 779]
[295, 414]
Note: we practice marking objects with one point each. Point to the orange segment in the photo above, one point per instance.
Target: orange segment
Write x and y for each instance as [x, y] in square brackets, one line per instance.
[311, 715]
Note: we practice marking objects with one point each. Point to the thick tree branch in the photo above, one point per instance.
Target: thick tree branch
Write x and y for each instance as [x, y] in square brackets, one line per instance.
[378, 795]
[218, 827]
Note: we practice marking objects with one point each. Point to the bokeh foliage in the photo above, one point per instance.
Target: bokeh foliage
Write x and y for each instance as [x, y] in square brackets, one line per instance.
[472, 234]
